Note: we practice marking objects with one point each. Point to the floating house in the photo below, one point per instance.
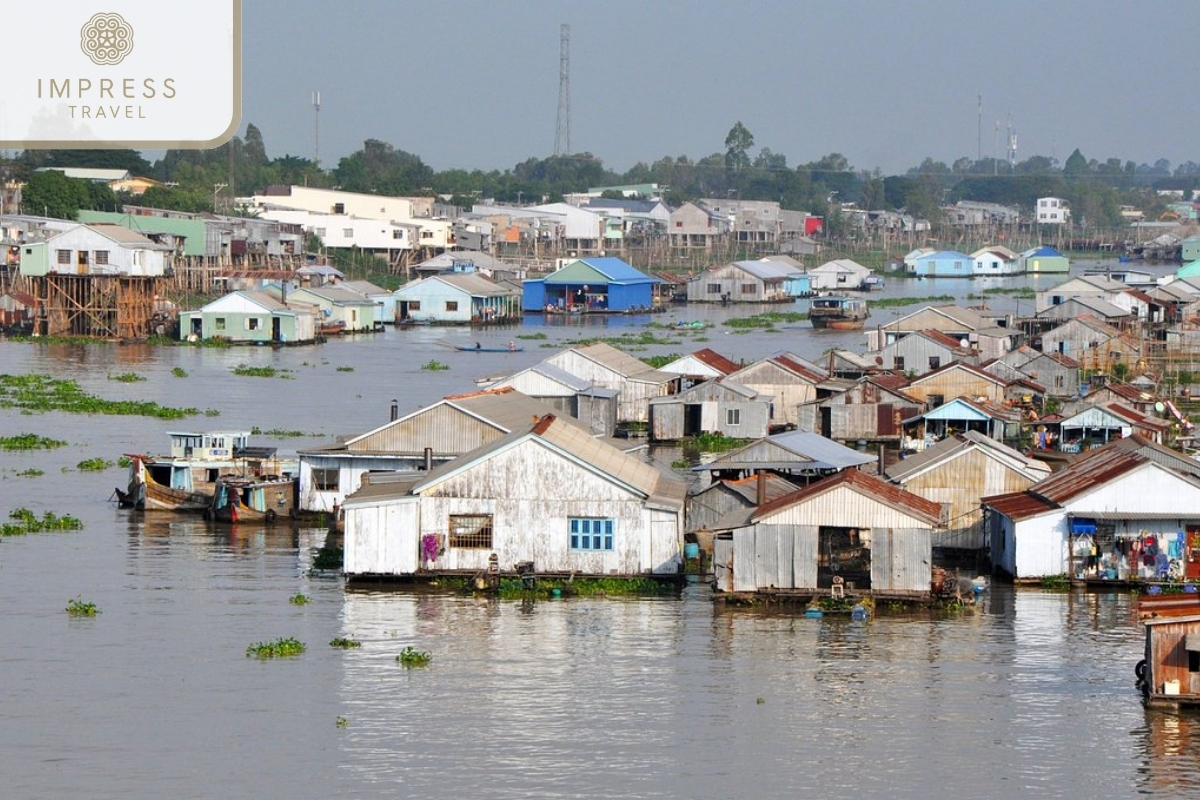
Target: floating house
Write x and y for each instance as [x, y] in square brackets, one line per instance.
[702, 365]
[925, 350]
[1169, 672]
[585, 285]
[1044, 260]
[961, 414]
[604, 366]
[718, 406]
[839, 275]
[995, 260]
[1118, 503]
[786, 381]
[567, 394]
[548, 496]
[336, 307]
[414, 442]
[880, 545]
[956, 379]
[749, 282]
[1095, 344]
[959, 470]
[964, 324]
[385, 301]
[726, 496]
[871, 409]
[457, 299]
[944, 264]
[799, 456]
[249, 317]
[1100, 424]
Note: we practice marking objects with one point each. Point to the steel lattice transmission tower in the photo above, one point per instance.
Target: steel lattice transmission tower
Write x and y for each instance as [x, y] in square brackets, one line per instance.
[562, 132]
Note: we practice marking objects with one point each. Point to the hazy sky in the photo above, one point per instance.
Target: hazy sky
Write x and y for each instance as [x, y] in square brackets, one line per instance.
[475, 84]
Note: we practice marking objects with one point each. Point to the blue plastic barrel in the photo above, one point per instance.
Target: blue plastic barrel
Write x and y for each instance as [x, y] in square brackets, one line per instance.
[691, 550]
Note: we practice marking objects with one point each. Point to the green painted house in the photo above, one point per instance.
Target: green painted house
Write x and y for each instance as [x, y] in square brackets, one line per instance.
[185, 236]
[248, 317]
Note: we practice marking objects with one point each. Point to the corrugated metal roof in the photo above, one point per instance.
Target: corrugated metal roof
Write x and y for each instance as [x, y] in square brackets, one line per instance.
[867, 485]
[952, 446]
[800, 369]
[768, 270]
[1018, 505]
[715, 360]
[623, 363]
[617, 271]
[472, 283]
[774, 487]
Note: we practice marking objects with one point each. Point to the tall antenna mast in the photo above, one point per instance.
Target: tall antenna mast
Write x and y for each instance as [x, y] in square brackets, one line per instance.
[562, 132]
[316, 103]
[1012, 145]
[979, 132]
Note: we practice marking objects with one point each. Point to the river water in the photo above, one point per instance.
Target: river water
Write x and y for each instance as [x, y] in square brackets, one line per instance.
[154, 697]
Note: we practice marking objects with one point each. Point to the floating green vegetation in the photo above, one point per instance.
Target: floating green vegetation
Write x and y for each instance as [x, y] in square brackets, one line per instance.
[411, 657]
[681, 463]
[714, 443]
[179, 372]
[76, 607]
[539, 336]
[30, 441]
[279, 648]
[125, 462]
[890, 302]
[260, 372]
[96, 464]
[546, 587]
[1056, 583]
[341, 722]
[626, 341]
[25, 521]
[344, 643]
[767, 320]
[1024, 292]
[345, 369]
[279, 433]
[127, 377]
[434, 365]
[45, 393]
[30, 473]
[328, 558]
[56, 339]
[299, 599]
[660, 361]
[211, 412]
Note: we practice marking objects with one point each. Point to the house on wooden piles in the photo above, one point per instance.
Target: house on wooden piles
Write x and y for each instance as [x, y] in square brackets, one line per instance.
[719, 406]
[250, 317]
[959, 470]
[847, 365]
[604, 366]
[1073, 307]
[17, 310]
[569, 395]
[1096, 345]
[880, 542]
[956, 380]
[925, 350]
[872, 409]
[548, 496]
[1129, 500]
[416, 442]
[788, 380]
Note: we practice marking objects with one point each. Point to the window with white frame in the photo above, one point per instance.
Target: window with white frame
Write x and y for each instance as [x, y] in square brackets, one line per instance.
[733, 416]
[326, 479]
[591, 533]
[219, 322]
[101, 256]
[64, 256]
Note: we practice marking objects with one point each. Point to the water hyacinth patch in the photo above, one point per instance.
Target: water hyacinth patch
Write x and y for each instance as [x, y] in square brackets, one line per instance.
[179, 372]
[25, 521]
[299, 599]
[127, 377]
[343, 643]
[434, 365]
[411, 657]
[31, 393]
[279, 648]
[76, 607]
[93, 465]
[30, 441]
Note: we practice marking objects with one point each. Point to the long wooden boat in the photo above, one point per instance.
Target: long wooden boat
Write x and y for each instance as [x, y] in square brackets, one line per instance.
[838, 313]
[467, 348]
[185, 479]
[259, 498]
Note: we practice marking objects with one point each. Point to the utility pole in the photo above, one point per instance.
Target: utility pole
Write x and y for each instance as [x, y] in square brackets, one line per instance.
[562, 132]
[979, 132]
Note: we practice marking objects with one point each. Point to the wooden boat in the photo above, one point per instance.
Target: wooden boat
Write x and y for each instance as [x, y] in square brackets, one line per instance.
[258, 498]
[184, 480]
[332, 327]
[467, 348]
[1165, 674]
[838, 313]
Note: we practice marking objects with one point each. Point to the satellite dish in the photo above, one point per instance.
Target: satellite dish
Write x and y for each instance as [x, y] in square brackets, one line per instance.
[1159, 407]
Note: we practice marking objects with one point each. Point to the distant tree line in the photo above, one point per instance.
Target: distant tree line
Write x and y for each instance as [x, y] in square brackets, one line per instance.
[202, 180]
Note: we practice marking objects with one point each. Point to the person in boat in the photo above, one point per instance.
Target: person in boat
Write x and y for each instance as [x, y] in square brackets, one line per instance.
[512, 345]
[477, 346]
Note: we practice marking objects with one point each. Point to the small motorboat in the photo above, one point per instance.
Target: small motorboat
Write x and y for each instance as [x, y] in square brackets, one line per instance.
[478, 348]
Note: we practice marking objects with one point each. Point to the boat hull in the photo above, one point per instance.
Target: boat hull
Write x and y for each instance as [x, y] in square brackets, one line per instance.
[823, 323]
[264, 498]
[468, 349]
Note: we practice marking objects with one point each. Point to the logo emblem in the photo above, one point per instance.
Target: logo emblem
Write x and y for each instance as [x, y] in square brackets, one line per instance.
[106, 38]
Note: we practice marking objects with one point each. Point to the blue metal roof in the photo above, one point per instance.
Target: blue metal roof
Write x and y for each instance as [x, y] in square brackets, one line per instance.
[617, 271]
[1045, 251]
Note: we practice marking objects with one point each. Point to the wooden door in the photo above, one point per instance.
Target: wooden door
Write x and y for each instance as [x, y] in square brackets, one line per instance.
[1192, 555]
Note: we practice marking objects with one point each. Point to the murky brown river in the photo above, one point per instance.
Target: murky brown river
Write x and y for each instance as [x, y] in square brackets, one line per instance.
[154, 697]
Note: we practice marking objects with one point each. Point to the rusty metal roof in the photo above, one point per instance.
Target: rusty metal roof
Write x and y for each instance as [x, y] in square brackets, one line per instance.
[861, 482]
[1018, 505]
[717, 361]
